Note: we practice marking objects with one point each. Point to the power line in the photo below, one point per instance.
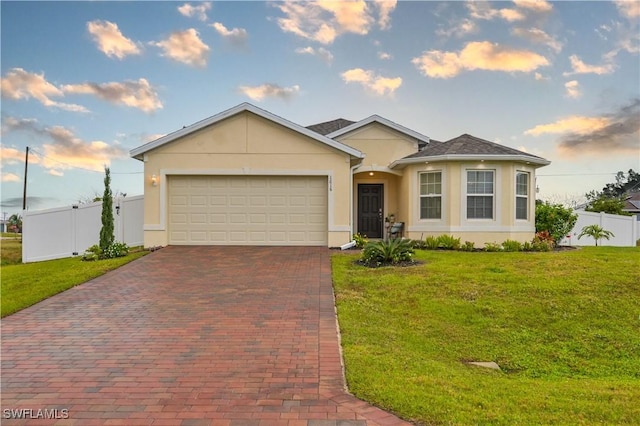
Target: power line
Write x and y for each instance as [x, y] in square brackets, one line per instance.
[579, 174]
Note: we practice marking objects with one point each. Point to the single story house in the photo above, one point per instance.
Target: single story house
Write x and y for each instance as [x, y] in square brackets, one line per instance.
[249, 177]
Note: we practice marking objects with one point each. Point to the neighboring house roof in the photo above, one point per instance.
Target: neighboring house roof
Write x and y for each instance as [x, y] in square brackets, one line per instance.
[422, 139]
[330, 126]
[244, 107]
[632, 203]
[467, 147]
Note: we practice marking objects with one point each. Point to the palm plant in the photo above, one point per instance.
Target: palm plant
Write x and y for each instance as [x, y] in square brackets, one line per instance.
[596, 232]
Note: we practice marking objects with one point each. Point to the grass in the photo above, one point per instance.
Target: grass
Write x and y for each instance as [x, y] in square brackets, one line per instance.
[10, 251]
[564, 327]
[26, 284]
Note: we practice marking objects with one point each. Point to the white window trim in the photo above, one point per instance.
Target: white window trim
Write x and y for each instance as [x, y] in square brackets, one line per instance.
[497, 195]
[441, 195]
[527, 197]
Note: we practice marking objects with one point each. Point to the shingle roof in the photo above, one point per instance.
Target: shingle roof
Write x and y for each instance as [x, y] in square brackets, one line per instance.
[330, 126]
[468, 145]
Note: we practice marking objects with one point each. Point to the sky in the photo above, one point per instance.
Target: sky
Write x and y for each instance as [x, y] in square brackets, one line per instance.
[83, 83]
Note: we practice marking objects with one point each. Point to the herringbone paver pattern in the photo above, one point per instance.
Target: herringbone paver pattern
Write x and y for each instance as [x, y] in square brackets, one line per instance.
[187, 336]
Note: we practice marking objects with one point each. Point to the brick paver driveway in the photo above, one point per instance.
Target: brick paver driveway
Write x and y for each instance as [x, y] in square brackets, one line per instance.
[186, 336]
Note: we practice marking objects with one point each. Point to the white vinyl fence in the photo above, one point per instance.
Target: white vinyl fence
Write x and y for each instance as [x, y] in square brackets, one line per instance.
[625, 228]
[69, 231]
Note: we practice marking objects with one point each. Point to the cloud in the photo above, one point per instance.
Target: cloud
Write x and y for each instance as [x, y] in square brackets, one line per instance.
[576, 124]
[110, 40]
[617, 132]
[580, 67]
[573, 89]
[536, 35]
[385, 7]
[136, 94]
[186, 47]
[539, 6]
[63, 149]
[620, 135]
[384, 56]
[375, 83]
[540, 77]
[628, 8]
[11, 177]
[237, 36]
[324, 20]
[268, 90]
[458, 29]
[320, 52]
[478, 55]
[199, 11]
[20, 84]
[483, 11]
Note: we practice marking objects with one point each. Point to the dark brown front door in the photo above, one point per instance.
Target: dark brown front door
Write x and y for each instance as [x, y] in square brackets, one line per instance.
[370, 204]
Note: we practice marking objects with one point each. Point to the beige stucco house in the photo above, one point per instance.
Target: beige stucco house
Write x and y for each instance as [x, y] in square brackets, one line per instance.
[248, 177]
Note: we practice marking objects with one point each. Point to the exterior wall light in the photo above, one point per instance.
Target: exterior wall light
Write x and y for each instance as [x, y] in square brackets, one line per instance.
[154, 180]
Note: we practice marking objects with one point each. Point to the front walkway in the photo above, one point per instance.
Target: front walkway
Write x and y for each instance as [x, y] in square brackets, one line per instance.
[186, 336]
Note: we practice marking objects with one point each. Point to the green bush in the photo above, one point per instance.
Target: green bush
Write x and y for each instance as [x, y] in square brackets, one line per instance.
[492, 247]
[527, 246]
[555, 219]
[116, 249]
[418, 244]
[388, 252]
[540, 243]
[361, 240]
[92, 253]
[448, 242]
[511, 245]
[432, 243]
[468, 246]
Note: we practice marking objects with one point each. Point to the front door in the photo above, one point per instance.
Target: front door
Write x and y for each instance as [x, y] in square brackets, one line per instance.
[370, 220]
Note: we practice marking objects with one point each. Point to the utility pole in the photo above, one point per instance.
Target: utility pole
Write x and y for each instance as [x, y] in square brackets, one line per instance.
[24, 192]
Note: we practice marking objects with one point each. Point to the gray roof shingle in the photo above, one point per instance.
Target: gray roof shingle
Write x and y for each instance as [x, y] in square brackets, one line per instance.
[467, 145]
[330, 126]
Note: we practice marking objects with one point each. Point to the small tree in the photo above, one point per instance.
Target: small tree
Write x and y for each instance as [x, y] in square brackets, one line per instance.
[599, 202]
[555, 219]
[596, 232]
[106, 232]
[15, 223]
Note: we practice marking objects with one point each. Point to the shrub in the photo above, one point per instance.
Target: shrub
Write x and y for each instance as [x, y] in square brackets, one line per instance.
[511, 245]
[448, 242]
[542, 243]
[432, 243]
[361, 240]
[555, 219]
[638, 242]
[527, 246]
[116, 249]
[468, 246]
[92, 253]
[418, 244]
[387, 252]
[492, 247]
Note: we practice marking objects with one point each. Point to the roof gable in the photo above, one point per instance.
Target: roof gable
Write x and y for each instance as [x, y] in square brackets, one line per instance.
[422, 139]
[143, 149]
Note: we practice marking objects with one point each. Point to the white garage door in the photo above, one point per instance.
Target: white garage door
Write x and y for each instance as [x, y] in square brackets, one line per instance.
[248, 210]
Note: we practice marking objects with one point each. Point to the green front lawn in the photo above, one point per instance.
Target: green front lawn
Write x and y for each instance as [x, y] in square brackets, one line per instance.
[26, 284]
[564, 327]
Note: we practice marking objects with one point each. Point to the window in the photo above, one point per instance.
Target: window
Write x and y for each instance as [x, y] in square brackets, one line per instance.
[431, 195]
[480, 194]
[522, 195]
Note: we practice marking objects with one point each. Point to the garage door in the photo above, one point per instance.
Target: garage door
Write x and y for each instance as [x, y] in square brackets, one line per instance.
[248, 210]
